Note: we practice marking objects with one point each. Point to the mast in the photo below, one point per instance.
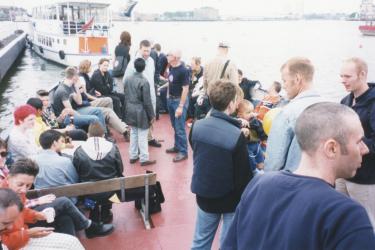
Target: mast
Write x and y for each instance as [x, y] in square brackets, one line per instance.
[367, 11]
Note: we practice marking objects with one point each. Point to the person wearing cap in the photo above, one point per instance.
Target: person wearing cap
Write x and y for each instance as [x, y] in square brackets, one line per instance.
[219, 68]
[21, 142]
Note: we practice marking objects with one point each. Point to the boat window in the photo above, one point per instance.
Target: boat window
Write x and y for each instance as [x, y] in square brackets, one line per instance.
[64, 41]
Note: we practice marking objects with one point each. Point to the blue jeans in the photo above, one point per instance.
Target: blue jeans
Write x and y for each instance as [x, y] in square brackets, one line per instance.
[256, 154]
[138, 139]
[87, 115]
[206, 226]
[178, 124]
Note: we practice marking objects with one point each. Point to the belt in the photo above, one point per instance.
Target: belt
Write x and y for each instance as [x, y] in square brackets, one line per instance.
[174, 97]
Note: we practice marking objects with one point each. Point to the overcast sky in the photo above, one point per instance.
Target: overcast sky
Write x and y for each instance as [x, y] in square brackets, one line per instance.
[227, 7]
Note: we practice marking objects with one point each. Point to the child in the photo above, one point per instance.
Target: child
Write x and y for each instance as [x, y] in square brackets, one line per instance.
[269, 101]
[254, 133]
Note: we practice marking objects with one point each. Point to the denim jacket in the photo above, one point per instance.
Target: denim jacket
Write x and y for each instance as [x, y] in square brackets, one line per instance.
[283, 151]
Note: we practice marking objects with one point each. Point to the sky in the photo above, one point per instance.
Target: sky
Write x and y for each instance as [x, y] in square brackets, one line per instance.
[227, 7]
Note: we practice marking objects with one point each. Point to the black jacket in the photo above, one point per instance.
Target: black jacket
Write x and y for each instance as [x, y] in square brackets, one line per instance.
[97, 159]
[365, 108]
[221, 164]
[103, 84]
[138, 110]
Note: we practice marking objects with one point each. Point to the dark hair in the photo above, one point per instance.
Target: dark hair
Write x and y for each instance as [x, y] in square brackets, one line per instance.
[96, 130]
[139, 65]
[42, 92]
[9, 198]
[101, 61]
[240, 72]
[3, 143]
[24, 166]
[35, 102]
[277, 86]
[47, 138]
[221, 94]
[157, 47]
[125, 38]
[322, 121]
[144, 43]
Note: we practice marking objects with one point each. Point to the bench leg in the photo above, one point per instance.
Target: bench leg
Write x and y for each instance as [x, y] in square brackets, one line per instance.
[145, 217]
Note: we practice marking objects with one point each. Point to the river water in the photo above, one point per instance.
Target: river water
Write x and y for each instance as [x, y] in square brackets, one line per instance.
[258, 48]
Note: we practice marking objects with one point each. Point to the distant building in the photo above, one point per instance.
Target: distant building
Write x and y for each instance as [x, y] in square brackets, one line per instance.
[206, 13]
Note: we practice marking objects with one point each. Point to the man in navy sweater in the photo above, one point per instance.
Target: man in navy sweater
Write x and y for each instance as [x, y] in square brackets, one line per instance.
[221, 165]
[302, 210]
[362, 100]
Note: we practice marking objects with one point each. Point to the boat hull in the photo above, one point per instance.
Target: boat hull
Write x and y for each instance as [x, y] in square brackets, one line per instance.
[367, 30]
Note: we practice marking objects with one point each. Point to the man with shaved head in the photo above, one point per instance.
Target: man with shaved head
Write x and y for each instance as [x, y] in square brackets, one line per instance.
[302, 210]
[178, 88]
[362, 100]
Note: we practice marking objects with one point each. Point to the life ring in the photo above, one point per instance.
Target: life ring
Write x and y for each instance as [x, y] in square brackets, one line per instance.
[62, 54]
[41, 49]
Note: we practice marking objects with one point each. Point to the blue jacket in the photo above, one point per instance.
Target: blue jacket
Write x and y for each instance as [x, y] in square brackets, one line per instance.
[365, 108]
[283, 151]
[215, 141]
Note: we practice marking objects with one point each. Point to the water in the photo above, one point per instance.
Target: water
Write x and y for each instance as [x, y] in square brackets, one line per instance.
[258, 48]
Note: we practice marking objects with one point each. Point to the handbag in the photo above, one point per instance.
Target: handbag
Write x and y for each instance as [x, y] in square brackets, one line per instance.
[155, 199]
[121, 62]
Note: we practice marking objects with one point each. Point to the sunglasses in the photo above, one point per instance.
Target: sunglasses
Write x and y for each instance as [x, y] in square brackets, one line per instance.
[4, 154]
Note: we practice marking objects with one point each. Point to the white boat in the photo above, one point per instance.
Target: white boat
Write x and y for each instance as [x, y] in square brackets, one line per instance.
[367, 14]
[69, 32]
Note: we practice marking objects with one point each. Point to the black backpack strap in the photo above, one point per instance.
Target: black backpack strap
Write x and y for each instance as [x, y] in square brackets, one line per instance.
[224, 69]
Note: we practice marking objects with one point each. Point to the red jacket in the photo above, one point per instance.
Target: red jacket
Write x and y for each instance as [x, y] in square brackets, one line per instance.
[17, 237]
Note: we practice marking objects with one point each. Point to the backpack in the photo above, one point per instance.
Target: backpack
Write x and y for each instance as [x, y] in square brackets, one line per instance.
[121, 62]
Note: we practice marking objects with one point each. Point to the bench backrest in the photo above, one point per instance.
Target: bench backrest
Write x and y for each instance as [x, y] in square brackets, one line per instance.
[86, 188]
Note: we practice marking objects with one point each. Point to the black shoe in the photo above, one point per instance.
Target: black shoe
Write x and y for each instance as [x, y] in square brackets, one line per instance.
[96, 230]
[180, 157]
[126, 136]
[146, 163]
[107, 217]
[132, 161]
[171, 150]
[154, 143]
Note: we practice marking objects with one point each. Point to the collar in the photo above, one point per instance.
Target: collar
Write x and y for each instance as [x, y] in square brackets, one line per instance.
[221, 115]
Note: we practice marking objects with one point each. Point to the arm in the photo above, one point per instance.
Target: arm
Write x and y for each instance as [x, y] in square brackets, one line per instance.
[119, 164]
[242, 172]
[77, 94]
[68, 106]
[233, 73]
[279, 141]
[369, 140]
[71, 173]
[147, 104]
[185, 91]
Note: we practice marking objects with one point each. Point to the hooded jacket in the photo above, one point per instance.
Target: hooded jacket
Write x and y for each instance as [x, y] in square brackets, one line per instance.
[97, 159]
[365, 108]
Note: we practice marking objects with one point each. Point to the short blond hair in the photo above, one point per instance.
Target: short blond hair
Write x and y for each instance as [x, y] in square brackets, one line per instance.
[359, 63]
[244, 105]
[300, 65]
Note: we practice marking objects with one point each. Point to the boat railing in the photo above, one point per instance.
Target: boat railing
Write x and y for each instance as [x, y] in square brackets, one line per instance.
[71, 27]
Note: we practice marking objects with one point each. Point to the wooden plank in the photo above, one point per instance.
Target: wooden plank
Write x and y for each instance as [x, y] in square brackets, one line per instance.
[86, 188]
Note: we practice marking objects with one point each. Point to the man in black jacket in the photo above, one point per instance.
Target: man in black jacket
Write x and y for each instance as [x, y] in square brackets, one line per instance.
[362, 100]
[98, 159]
[221, 165]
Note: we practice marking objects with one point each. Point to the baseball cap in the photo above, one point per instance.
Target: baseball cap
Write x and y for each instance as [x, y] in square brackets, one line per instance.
[223, 44]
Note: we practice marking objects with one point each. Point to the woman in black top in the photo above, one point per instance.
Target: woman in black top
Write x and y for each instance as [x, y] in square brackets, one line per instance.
[102, 83]
[122, 56]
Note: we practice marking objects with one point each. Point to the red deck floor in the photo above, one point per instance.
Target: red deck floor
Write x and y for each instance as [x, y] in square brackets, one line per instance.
[174, 225]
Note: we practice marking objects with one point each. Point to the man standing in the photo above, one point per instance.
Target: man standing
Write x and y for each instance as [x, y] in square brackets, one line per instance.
[283, 151]
[149, 74]
[362, 100]
[139, 113]
[178, 102]
[302, 210]
[221, 169]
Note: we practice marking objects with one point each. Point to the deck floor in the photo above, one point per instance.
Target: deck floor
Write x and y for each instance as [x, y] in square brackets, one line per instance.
[174, 225]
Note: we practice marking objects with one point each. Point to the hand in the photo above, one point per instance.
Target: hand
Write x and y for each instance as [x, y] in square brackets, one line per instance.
[69, 127]
[40, 216]
[152, 121]
[244, 123]
[97, 93]
[245, 131]
[46, 199]
[178, 112]
[200, 101]
[38, 232]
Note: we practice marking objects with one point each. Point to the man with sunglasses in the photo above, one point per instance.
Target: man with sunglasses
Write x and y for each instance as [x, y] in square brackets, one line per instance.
[3, 160]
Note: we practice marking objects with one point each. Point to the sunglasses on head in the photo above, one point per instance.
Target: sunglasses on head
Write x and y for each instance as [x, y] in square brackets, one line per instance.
[4, 154]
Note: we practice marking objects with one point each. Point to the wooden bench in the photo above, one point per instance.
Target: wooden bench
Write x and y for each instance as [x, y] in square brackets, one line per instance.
[121, 184]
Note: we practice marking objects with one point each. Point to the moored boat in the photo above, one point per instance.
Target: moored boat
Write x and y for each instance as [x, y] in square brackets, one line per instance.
[367, 14]
[69, 32]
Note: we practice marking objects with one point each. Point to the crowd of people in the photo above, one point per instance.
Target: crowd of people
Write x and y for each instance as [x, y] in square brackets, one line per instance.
[268, 189]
